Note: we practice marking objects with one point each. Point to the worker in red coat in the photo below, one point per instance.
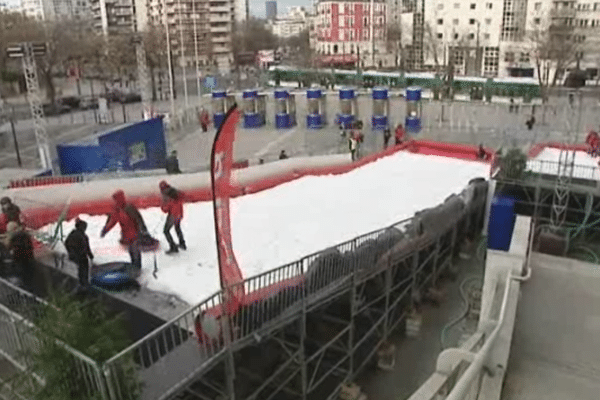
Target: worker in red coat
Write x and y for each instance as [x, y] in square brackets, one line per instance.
[593, 142]
[172, 205]
[132, 226]
[399, 134]
[10, 213]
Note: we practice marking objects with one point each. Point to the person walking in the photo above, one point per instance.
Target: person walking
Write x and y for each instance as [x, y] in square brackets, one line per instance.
[132, 227]
[399, 134]
[172, 163]
[78, 248]
[352, 144]
[204, 120]
[283, 155]
[530, 122]
[386, 137]
[172, 205]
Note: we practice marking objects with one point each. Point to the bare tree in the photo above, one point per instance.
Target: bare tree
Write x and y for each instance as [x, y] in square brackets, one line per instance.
[155, 45]
[554, 49]
[394, 44]
[433, 46]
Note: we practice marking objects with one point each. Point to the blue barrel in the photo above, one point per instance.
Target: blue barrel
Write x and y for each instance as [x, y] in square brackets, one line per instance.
[347, 94]
[380, 94]
[413, 93]
[253, 120]
[281, 94]
[217, 94]
[250, 94]
[413, 124]
[218, 119]
[502, 223]
[379, 122]
[314, 94]
[282, 120]
[346, 120]
[314, 121]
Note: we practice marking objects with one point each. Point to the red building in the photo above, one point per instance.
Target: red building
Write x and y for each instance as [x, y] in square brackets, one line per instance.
[346, 30]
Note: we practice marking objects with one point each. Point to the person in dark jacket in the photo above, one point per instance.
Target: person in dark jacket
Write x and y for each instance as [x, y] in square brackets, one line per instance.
[387, 134]
[78, 247]
[21, 249]
[172, 205]
[172, 164]
[10, 213]
[530, 122]
[481, 153]
[283, 155]
[132, 227]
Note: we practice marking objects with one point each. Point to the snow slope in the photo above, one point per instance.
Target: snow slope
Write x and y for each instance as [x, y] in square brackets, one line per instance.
[283, 224]
[586, 166]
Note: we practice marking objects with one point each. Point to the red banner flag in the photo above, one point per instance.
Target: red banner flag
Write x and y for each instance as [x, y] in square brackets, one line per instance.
[221, 163]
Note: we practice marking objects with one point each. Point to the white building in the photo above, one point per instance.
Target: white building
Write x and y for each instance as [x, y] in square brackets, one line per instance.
[292, 24]
[10, 7]
[206, 28]
[52, 10]
[113, 16]
[241, 10]
[33, 9]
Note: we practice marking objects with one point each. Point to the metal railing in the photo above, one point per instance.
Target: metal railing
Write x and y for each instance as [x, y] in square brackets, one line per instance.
[460, 371]
[552, 168]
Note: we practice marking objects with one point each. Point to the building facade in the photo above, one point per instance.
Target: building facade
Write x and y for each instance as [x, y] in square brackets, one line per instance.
[271, 10]
[348, 31]
[292, 24]
[52, 10]
[113, 16]
[205, 26]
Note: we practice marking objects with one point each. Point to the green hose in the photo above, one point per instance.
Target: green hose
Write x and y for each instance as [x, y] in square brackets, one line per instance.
[464, 296]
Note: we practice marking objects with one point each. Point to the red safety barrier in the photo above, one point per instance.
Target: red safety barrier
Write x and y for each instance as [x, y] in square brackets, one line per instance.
[538, 148]
[44, 181]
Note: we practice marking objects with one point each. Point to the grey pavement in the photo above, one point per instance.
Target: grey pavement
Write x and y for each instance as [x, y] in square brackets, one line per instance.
[555, 351]
[416, 357]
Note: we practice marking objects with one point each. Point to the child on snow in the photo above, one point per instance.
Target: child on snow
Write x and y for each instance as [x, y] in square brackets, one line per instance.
[172, 205]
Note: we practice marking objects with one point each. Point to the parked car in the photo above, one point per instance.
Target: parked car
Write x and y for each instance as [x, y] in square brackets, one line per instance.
[55, 109]
[130, 97]
[70, 101]
[88, 103]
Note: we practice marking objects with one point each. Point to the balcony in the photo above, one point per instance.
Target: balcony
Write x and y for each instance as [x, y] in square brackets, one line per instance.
[220, 18]
[219, 9]
[221, 49]
[221, 39]
[563, 12]
[220, 29]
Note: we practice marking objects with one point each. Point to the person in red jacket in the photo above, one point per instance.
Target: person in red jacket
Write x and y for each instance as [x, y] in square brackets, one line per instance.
[399, 134]
[172, 205]
[204, 120]
[10, 213]
[132, 227]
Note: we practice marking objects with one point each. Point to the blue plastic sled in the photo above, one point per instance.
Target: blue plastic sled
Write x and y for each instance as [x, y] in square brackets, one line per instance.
[114, 275]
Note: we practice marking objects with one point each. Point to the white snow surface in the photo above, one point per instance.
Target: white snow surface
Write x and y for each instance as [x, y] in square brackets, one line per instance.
[585, 166]
[284, 224]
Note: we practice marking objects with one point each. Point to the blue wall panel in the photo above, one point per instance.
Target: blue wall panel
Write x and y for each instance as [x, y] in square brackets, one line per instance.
[80, 159]
[138, 146]
[135, 146]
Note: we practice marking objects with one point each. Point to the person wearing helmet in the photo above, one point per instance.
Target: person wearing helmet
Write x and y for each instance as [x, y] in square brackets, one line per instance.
[172, 205]
[78, 247]
[132, 226]
[10, 213]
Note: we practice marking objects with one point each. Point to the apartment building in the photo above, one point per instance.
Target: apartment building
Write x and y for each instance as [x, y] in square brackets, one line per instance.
[52, 10]
[347, 30]
[113, 16]
[292, 24]
[196, 27]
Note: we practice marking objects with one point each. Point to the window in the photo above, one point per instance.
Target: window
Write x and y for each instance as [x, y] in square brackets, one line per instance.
[440, 35]
[509, 56]
[440, 6]
[536, 21]
[472, 6]
[456, 5]
[489, 6]
[488, 21]
[537, 6]
[455, 21]
[524, 57]
[486, 36]
[440, 21]
[472, 21]
[456, 36]
[471, 36]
